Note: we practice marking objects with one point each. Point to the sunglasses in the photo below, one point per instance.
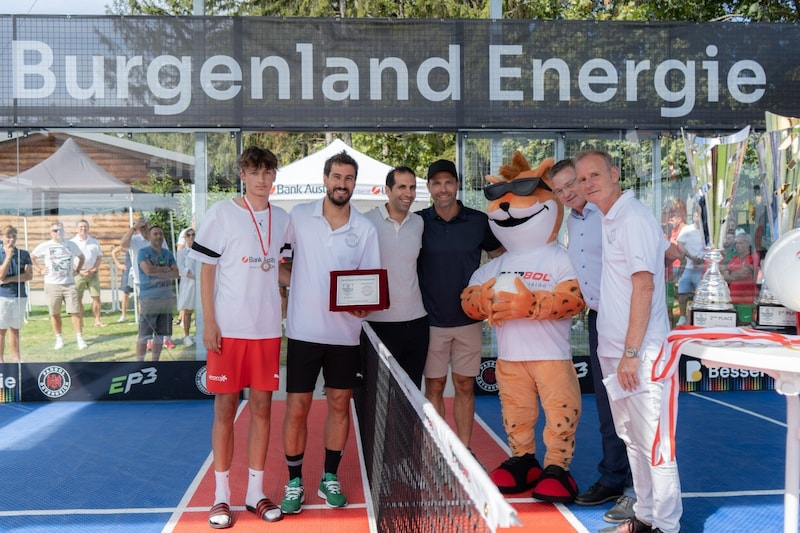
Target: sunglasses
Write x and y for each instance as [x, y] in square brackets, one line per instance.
[190, 234]
[56, 230]
[520, 187]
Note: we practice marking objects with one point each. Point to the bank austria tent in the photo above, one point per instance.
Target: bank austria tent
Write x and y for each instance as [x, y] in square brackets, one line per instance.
[301, 181]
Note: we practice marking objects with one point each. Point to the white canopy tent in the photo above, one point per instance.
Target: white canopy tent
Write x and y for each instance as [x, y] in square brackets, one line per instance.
[69, 180]
[301, 181]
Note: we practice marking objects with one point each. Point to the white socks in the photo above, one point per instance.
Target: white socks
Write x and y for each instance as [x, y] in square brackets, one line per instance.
[222, 494]
[255, 484]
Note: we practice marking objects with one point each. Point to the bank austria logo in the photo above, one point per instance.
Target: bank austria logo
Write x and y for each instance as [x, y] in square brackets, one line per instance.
[200, 381]
[123, 384]
[54, 381]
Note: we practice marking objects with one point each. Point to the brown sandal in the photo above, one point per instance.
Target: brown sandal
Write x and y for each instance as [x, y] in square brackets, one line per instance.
[220, 509]
[264, 506]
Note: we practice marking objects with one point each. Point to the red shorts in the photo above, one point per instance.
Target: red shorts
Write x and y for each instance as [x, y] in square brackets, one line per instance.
[243, 363]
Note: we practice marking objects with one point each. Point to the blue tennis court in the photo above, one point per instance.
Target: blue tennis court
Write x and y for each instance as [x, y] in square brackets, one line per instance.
[133, 466]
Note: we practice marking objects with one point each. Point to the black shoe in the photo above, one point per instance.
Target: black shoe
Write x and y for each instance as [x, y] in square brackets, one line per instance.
[597, 494]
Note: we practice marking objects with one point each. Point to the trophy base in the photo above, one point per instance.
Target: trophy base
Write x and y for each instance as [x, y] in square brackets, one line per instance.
[769, 317]
[714, 319]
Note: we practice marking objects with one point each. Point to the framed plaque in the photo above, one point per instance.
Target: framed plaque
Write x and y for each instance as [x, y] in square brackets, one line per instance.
[359, 290]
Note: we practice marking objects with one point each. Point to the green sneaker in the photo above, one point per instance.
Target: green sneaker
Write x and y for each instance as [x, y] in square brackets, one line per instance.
[293, 497]
[330, 489]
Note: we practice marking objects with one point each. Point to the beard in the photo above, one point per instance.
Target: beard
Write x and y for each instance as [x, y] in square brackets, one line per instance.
[337, 202]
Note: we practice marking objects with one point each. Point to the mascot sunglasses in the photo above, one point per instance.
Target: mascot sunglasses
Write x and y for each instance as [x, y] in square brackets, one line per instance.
[520, 187]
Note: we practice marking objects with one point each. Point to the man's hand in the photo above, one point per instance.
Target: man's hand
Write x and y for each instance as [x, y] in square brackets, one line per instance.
[628, 373]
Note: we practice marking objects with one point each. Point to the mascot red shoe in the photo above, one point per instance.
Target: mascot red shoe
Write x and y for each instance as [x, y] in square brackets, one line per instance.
[529, 295]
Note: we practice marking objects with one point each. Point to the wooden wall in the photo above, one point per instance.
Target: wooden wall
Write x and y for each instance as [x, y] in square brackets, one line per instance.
[106, 228]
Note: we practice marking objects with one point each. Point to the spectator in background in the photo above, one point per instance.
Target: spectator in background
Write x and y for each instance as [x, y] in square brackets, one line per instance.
[15, 269]
[186, 288]
[87, 277]
[157, 268]
[740, 273]
[136, 238]
[59, 281]
[125, 279]
[691, 245]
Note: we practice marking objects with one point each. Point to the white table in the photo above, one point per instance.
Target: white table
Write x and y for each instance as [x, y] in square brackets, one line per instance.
[782, 364]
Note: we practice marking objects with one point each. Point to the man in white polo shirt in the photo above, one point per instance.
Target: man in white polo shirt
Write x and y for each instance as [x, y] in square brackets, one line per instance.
[632, 324]
[324, 235]
[87, 277]
[403, 327]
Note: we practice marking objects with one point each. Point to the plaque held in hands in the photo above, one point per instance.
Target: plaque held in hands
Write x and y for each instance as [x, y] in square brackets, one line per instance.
[359, 290]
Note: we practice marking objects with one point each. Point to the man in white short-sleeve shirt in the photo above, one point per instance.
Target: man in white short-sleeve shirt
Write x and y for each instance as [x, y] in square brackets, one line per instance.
[325, 235]
[632, 325]
[61, 259]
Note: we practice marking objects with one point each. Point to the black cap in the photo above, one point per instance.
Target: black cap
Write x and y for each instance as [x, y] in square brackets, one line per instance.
[442, 165]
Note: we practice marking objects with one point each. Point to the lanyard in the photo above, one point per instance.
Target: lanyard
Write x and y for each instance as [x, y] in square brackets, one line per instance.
[258, 231]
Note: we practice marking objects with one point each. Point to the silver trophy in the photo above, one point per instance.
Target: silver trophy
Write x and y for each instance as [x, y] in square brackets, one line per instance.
[715, 164]
[779, 160]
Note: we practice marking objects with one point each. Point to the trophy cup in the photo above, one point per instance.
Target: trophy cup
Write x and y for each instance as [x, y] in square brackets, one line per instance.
[714, 165]
[779, 159]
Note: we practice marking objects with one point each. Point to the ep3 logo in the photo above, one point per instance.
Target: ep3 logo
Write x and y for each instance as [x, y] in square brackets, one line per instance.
[123, 384]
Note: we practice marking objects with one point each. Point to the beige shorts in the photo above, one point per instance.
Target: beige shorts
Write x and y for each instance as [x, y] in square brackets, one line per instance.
[92, 283]
[55, 295]
[458, 347]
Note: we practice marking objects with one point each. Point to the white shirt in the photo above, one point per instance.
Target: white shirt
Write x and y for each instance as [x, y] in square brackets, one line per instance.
[318, 250]
[90, 248]
[540, 269]
[400, 244]
[58, 258]
[247, 303]
[691, 237]
[632, 242]
[585, 249]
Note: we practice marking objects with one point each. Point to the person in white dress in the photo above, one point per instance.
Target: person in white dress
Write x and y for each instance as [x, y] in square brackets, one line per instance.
[186, 288]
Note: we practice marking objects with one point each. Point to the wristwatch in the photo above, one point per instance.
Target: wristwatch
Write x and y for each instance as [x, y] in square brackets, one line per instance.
[631, 352]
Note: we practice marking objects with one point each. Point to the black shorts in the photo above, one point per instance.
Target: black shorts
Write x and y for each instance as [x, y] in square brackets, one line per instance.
[340, 365]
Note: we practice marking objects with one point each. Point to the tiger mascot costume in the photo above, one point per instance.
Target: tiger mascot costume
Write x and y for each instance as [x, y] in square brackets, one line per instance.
[529, 295]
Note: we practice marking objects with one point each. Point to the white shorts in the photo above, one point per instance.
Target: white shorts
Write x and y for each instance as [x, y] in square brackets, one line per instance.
[11, 312]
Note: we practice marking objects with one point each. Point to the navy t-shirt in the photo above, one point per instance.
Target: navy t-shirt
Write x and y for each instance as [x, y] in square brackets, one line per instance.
[451, 252]
[19, 263]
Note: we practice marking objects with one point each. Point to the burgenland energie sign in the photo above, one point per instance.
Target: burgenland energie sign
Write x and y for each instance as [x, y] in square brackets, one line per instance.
[401, 75]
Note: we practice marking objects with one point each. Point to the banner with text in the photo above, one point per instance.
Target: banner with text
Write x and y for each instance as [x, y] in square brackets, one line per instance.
[392, 75]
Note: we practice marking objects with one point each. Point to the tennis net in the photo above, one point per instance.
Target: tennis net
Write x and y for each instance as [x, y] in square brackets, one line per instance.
[421, 477]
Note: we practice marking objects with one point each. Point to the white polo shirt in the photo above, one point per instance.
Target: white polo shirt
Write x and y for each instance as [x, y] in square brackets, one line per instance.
[318, 250]
[632, 242]
[400, 244]
[90, 248]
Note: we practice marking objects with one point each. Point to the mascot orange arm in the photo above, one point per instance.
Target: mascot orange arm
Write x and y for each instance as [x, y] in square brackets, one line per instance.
[564, 301]
[476, 300]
